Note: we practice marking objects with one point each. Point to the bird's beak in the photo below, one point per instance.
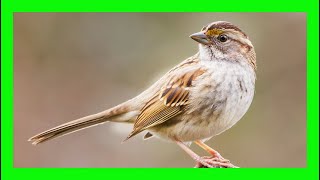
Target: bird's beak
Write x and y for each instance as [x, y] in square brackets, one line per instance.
[201, 37]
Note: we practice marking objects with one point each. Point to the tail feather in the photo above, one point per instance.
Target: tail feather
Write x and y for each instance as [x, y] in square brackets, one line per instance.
[120, 113]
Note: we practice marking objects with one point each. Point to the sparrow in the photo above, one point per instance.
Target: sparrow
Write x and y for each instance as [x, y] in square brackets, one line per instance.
[201, 97]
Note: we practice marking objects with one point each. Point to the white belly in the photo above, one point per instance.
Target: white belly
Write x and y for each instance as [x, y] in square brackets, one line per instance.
[218, 99]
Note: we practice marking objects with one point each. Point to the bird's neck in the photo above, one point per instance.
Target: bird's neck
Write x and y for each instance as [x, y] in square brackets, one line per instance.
[207, 54]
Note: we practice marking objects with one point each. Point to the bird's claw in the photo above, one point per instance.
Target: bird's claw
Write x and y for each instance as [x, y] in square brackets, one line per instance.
[214, 162]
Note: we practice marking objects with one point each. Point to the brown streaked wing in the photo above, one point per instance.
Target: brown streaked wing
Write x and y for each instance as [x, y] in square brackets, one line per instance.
[167, 103]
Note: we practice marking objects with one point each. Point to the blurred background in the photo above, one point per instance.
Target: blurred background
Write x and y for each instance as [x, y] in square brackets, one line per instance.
[69, 65]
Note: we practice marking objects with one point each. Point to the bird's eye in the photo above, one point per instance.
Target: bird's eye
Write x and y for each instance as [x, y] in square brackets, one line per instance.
[223, 38]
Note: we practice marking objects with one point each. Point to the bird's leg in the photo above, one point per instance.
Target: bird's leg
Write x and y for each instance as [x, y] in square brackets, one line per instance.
[204, 162]
[211, 151]
[215, 156]
[193, 155]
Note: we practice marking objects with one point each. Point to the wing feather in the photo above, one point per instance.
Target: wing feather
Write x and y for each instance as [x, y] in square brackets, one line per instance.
[166, 103]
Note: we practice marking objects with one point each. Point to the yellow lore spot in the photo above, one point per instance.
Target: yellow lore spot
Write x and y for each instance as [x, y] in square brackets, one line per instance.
[213, 32]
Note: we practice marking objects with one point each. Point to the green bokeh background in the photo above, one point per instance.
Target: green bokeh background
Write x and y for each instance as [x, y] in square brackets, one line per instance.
[8, 171]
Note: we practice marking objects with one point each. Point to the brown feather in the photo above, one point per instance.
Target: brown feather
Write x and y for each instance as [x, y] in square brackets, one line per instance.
[166, 104]
[113, 114]
[147, 136]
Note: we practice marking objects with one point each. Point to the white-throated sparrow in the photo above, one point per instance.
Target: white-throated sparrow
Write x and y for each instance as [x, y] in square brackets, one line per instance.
[199, 98]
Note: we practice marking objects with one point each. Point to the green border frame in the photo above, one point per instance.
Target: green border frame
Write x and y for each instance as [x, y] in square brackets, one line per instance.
[311, 8]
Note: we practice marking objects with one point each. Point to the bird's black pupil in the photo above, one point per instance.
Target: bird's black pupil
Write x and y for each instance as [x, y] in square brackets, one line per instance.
[223, 38]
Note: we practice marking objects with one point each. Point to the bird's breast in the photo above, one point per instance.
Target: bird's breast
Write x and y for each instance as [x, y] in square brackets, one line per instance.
[218, 99]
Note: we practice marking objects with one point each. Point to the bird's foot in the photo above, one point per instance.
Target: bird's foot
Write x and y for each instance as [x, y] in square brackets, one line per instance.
[214, 162]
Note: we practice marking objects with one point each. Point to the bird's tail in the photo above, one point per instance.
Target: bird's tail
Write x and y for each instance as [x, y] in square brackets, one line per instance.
[120, 113]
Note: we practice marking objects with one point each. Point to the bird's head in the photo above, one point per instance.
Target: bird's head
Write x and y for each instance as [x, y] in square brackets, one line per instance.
[223, 40]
